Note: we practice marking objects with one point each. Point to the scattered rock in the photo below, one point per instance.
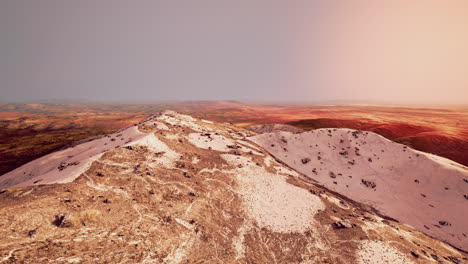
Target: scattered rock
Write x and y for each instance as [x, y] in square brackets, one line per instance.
[454, 259]
[64, 165]
[137, 168]
[180, 165]
[33, 232]
[368, 184]
[435, 257]
[305, 160]
[444, 223]
[342, 225]
[63, 220]
[233, 146]
[367, 218]
[315, 192]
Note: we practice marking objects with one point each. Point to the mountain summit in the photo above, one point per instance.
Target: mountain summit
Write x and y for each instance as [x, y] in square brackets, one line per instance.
[176, 189]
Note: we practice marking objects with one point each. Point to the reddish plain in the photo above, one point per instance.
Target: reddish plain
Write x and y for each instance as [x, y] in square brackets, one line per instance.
[28, 131]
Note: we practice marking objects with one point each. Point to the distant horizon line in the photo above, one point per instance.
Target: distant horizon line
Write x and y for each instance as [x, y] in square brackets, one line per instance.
[261, 102]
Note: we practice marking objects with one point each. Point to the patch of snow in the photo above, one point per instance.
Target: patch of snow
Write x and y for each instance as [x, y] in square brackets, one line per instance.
[66, 165]
[271, 201]
[215, 142]
[176, 119]
[378, 252]
[155, 144]
[417, 188]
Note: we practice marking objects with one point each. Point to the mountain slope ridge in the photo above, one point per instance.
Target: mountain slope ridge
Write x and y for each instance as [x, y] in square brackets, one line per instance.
[417, 188]
[190, 190]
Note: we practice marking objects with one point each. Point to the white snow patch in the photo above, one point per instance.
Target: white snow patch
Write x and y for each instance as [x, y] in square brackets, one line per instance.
[176, 119]
[238, 242]
[75, 161]
[172, 136]
[286, 171]
[155, 144]
[271, 201]
[207, 121]
[411, 186]
[215, 142]
[195, 160]
[159, 125]
[378, 252]
[184, 223]
[268, 160]
[249, 145]
[336, 201]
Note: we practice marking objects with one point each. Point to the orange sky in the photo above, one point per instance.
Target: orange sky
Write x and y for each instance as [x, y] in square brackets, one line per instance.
[392, 50]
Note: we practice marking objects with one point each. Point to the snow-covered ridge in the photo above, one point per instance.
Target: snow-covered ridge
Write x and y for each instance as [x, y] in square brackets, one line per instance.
[66, 165]
[205, 188]
[416, 188]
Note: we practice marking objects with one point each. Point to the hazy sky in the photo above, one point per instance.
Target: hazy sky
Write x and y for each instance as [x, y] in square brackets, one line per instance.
[268, 50]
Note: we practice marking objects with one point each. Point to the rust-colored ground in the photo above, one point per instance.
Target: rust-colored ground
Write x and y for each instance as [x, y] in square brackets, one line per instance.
[28, 131]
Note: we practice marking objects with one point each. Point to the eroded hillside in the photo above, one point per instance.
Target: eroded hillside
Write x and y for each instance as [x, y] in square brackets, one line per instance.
[183, 190]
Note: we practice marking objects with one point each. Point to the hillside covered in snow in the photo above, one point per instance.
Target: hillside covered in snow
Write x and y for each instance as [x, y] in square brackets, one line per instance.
[176, 189]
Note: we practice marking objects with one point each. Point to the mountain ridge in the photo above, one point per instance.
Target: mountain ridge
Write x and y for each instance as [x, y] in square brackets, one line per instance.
[185, 189]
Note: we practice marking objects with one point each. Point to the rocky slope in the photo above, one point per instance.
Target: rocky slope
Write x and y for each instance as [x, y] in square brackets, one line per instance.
[420, 189]
[174, 189]
[267, 128]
